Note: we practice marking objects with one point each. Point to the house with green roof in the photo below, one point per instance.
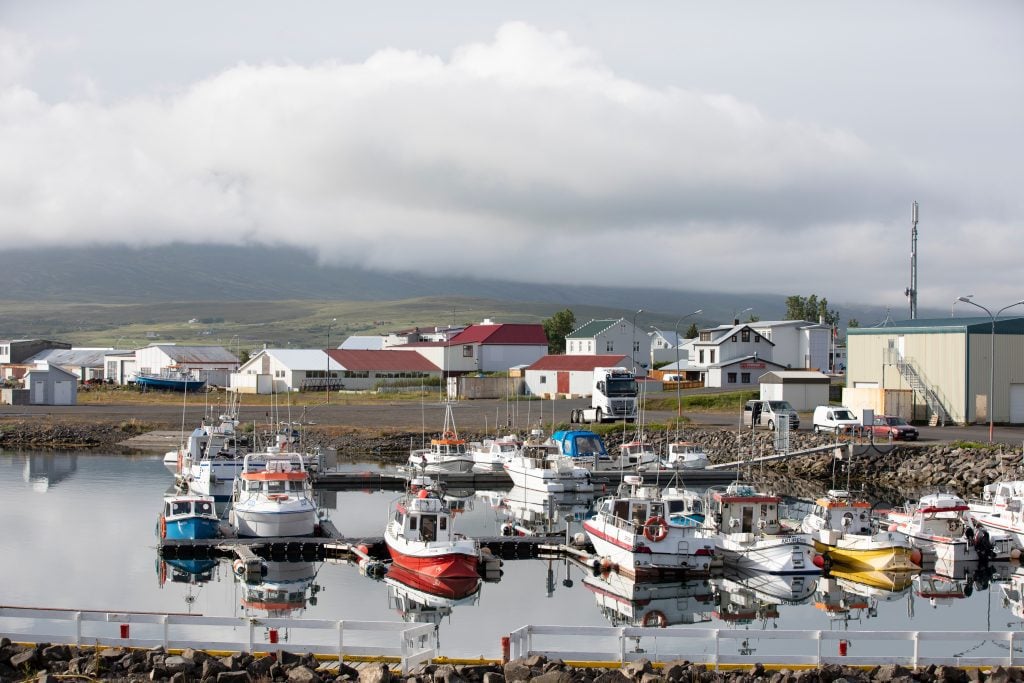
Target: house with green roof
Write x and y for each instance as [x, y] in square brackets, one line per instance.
[609, 337]
[947, 364]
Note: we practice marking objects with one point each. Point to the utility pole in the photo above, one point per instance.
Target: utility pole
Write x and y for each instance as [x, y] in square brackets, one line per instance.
[911, 291]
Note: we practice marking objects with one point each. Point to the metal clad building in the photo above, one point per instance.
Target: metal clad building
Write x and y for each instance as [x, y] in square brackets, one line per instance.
[946, 363]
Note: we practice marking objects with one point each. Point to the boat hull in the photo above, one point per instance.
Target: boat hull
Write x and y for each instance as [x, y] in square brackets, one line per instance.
[170, 384]
[192, 528]
[256, 523]
[450, 565]
[637, 556]
[790, 555]
[867, 559]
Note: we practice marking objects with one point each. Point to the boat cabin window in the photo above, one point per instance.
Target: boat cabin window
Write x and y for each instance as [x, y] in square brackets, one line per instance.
[412, 523]
[622, 509]
[639, 513]
[180, 508]
[428, 528]
[204, 507]
[276, 487]
[444, 523]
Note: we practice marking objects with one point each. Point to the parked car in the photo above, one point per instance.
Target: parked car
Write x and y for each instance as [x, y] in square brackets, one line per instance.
[896, 428]
[760, 413]
[837, 419]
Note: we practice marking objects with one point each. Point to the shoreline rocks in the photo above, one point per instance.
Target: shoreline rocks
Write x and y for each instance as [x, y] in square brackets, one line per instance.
[48, 663]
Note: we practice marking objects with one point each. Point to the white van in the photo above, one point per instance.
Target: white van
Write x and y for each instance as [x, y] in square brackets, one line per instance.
[836, 419]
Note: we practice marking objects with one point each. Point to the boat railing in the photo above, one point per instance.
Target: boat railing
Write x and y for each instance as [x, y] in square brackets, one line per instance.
[416, 643]
[717, 647]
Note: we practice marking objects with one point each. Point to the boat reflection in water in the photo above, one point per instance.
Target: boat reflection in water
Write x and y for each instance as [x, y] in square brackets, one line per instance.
[423, 599]
[185, 571]
[283, 591]
[851, 596]
[745, 598]
[627, 602]
[539, 513]
[45, 470]
[1013, 593]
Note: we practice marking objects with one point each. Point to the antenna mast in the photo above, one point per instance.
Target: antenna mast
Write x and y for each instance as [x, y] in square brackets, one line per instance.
[911, 291]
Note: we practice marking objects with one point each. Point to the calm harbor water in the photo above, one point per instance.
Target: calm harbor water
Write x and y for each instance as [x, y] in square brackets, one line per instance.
[79, 533]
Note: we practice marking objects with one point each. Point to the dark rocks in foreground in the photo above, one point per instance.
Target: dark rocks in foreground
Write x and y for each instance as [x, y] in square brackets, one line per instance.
[45, 663]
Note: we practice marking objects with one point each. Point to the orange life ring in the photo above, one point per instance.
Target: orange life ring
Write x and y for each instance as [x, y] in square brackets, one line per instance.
[655, 529]
[655, 619]
[163, 527]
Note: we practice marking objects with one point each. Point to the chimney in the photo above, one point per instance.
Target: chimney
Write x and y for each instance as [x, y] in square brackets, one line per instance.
[735, 321]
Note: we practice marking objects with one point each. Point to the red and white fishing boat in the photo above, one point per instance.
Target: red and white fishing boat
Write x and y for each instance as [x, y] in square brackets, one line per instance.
[420, 537]
[940, 525]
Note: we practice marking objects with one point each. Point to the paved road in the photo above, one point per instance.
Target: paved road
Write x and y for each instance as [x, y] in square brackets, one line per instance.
[477, 415]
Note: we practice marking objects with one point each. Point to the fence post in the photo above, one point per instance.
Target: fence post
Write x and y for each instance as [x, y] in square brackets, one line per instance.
[916, 644]
[716, 649]
[622, 646]
[78, 628]
[341, 641]
[817, 637]
[252, 636]
[165, 621]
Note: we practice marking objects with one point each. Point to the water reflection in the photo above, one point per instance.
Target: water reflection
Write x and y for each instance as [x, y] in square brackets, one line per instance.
[530, 512]
[426, 599]
[284, 590]
[43, 471]
[626, 602]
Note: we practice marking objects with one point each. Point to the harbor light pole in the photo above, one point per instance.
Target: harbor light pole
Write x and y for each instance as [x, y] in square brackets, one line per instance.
[679, 400]
[327, 374]
[991, 357]
[632, 351]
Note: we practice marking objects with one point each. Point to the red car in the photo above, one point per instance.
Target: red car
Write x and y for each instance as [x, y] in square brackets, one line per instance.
[896, 428]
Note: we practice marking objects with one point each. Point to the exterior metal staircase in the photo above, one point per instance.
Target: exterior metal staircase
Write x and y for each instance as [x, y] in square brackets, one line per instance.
[938, 416]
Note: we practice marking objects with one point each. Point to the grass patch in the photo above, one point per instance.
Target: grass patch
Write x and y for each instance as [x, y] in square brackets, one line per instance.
[972, 445]
[730, 400]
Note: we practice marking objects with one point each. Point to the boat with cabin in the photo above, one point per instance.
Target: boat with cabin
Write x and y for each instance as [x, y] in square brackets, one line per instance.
[749, 536]
[447, 453]
[636, 455]
[686, 455]
[843, 532]
[490, 455]
[940, 525]
[419, 535]
[273, 497]
[1001, 510]
[631, 533]
[188, 516]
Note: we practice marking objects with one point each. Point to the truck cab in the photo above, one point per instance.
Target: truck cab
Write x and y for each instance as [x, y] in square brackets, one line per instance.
[613, 397]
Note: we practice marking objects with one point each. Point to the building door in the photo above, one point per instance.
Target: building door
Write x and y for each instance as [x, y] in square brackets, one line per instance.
[1017, 403]
[563, 382]
[39, 392]
[62, 393]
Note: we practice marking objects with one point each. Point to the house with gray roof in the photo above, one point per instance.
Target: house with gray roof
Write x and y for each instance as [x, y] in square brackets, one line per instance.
[211, 363]
[609, 337]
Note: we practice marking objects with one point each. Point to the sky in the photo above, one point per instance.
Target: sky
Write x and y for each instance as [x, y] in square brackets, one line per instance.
[711, 146]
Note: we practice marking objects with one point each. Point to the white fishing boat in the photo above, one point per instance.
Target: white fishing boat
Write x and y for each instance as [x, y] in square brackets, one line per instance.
[685, 455]
[748, 535]
[447, 453]
[490, 455]
[541, 468]
[631, 533]
[1001, 509]
[627, 602]
[843, 533]
[420, 536]
[939, 524]
[273, 497]
[636, 455]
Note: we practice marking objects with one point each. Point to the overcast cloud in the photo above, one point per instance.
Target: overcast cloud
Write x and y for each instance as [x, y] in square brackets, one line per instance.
[782, 157]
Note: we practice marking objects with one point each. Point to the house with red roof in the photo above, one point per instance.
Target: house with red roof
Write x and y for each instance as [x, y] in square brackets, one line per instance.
[485, 347]
[569, 375]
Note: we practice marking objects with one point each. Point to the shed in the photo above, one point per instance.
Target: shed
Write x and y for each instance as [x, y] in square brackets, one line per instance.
[804, 389]
[49, 385]
[567, 376]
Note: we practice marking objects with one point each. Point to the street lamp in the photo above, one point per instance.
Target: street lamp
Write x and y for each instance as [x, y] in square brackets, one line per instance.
[679, 400]
[327, 373]
[991, 356]
[736, 316]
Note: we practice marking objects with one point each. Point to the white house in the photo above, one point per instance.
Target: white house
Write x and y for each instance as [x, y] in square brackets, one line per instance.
[738, 373]
[798, 343]
[485, 347]
[212, 363]
[287, 370]
[567, 376]
[665, 347]
[605, 337]
[363, 370]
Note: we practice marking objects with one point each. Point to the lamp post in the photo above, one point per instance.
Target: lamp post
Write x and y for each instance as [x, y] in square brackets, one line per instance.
[736, 316]
[991, 357]
[679, 400]
[327, 372]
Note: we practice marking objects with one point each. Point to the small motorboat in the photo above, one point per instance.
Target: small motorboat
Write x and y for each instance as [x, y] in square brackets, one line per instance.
[841, 527]
[492, 454]
[1002, 510]
[539, 469]
[632, 534]
[637, 455]
[748, 535]
[170, 380]
[446, 454]
[188, 516]
[419, 535]
[685, 455]
[940, 525]
[273, 497]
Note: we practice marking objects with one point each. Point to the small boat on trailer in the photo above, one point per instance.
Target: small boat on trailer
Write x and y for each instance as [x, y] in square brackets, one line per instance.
[273, 497]
[843, 533]
[169, 381]
[419, 536]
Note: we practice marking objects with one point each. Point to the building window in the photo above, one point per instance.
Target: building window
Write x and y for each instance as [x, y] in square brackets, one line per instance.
[745, 335]
[745, 377]
[734, 339]
[757, 338]
[700, 356]
[711, 353]
[543, 379]
[705, 336]
[731, 378]
[636, 347]
[590, 346]
[467, 351]
[609, 346]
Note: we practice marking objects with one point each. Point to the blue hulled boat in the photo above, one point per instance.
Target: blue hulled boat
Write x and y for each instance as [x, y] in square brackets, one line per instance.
[188, 516]
[169, 381]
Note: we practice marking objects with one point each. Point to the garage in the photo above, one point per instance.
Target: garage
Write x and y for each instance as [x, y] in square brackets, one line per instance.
[1016, 403]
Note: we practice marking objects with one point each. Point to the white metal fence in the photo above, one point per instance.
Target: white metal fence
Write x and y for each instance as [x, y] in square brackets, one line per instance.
[745, 646]
[417, 643]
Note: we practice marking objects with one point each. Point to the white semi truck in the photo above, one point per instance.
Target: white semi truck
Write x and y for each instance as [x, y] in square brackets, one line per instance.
[613, 397]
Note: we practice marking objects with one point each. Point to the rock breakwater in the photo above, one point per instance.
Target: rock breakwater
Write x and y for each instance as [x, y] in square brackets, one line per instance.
[50, 663]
